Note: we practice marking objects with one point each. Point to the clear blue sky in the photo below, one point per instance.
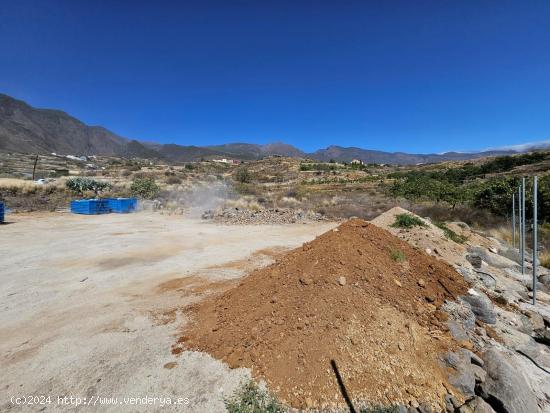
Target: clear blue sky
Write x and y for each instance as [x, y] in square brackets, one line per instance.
[416, 76]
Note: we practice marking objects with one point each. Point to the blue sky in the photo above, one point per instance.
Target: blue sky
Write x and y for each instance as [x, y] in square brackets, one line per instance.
[415, 76]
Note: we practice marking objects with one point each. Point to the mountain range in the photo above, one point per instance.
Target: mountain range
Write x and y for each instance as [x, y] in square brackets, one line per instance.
[26, 129]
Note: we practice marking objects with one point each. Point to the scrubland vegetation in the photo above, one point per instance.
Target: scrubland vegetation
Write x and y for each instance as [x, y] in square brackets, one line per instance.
[478, 192]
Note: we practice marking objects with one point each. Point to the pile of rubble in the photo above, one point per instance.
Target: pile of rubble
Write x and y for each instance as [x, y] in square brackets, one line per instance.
[244, 216]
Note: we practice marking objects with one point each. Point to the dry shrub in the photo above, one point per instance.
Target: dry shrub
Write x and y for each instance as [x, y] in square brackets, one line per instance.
[474, 217]
[501, 232]
[544, 257]
[173, 180]
[245, 202]
[289, 202]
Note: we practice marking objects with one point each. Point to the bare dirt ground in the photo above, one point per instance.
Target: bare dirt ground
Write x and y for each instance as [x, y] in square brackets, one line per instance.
[90, 306]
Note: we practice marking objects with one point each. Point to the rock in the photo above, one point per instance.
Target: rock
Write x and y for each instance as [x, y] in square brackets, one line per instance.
[506, 385]
[430, 298]
[493, 250]
[428, 251]
[342, 281]
[493, 260]
[487, 280]
[511, 253]
[536, 320]
[457, 331]
[481, 306]
[425, 408]
[462, 378]
[465, 409]
[398, 283]
[475, 359]
[421, 282]
[543, 337]
[480, 406]
[464, 381]
[306, 280]
[461, 319]
[449, 406]
[545, 279]
[501, 299]
[474, 259]
[479, 374]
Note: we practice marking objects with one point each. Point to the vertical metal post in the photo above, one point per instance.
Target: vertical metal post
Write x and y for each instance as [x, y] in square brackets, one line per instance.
[513, 220]
[523, 225]
[535, 239]
[519, 218]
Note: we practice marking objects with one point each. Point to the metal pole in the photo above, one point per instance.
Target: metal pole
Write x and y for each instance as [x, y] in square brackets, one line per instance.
[535, 240]
[513, 220]
[523, 225]
[519, 218]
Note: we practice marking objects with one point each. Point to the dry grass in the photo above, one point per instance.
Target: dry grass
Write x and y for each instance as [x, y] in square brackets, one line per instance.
[544, 257]
[501, 232]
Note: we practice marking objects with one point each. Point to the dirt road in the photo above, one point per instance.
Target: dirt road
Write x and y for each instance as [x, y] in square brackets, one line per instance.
[90, 306]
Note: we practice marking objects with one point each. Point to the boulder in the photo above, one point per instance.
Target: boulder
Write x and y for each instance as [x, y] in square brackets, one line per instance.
[478, 405]
[494, 260]
[481, 306]
[474, 259]
[463, 376]
[511, 253]
[505, 386]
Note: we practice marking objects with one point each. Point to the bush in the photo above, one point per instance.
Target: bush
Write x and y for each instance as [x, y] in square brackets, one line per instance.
[144, 188]
[173, 180]
[407, 221]
[449, 233]
[397, 255]
[249, 398]
[242, 176]
[84, 184]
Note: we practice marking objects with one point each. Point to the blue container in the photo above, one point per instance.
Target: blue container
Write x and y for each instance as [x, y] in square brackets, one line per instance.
[90, 206]
[122, 205]
[1, 212]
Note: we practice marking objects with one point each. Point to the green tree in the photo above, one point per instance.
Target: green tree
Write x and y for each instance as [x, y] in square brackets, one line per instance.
[84, 184]
[145, 188]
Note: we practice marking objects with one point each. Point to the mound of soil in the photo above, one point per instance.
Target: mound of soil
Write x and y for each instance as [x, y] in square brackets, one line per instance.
[430, 238]
[356, 295]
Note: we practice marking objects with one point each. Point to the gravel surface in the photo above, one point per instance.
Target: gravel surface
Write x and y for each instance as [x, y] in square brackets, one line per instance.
[87, 312]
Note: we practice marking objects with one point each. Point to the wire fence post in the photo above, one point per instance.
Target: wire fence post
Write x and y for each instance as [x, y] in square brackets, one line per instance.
[523, 225]
[513, 220]
[519, 218]
[535, 239]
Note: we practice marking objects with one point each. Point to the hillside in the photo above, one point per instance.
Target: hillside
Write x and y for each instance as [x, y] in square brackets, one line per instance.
[26, 129]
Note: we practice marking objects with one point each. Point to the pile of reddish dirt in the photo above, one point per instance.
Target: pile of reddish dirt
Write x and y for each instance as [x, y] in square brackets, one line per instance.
[356, 295]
